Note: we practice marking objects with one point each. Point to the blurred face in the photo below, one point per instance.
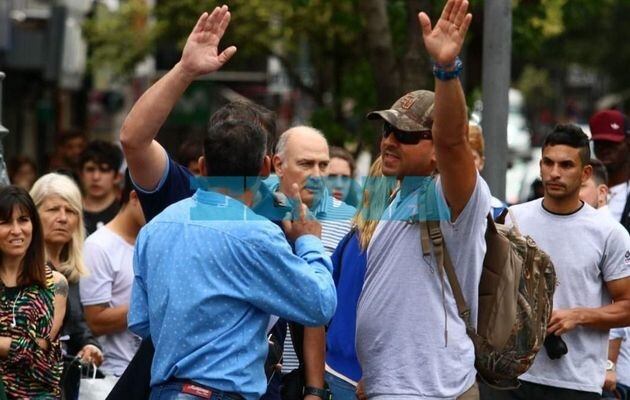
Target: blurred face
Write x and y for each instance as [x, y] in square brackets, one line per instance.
[612, 154]
[305, 162]
[593, 194]
[402, 160]
[25, 176]
[72, 149]
[479, 161]
[339, 178]
[59, 220]
[98, 180]
[562, 172]
[16, 234]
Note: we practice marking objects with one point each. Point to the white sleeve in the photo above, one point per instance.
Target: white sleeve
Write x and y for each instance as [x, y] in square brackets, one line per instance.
[616, 263]
[96, 286]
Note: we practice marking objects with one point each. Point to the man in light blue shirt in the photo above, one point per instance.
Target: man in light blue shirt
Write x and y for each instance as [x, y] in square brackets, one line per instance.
[209, 272]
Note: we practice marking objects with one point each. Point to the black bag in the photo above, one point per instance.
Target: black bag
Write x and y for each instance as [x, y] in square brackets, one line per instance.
[293, 385]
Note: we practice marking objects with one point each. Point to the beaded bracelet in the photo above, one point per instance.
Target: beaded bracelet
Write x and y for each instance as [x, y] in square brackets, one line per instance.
[454, 70]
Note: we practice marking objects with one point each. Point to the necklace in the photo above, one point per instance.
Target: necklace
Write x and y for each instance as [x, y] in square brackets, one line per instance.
[14, 323]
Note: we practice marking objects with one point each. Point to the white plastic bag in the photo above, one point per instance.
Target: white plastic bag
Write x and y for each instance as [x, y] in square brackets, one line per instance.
[93, 388]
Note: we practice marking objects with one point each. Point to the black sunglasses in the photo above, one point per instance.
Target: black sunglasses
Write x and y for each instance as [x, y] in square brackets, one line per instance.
[405, 137]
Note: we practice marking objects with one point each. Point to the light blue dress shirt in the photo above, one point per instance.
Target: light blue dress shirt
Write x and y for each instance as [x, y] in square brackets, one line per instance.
[208, 273]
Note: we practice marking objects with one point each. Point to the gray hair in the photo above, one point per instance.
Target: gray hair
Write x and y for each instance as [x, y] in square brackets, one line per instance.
[284, 138]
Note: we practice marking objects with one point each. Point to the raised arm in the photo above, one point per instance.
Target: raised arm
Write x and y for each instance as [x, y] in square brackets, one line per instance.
[450, 121]
[146, 158]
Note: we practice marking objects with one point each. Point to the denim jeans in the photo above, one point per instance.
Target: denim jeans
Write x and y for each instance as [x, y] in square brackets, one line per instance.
[173, 391]
[340, 389]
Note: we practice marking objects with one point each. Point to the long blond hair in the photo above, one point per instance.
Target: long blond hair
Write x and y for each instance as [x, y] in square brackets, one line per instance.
[377, 190]
[53, 184]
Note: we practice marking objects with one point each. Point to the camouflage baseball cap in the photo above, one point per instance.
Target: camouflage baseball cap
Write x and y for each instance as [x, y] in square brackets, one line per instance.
[412, 112]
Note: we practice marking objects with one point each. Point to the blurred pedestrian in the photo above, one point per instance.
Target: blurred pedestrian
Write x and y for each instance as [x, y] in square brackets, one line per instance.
[70, 145]
[22, 172]
[341, 180]
[477, 146]
[610, 131]
[99, 166]
[58, 202]
[106, 290]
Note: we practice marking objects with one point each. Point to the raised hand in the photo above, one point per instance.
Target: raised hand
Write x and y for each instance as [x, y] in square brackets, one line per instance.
[301, 225]
[444, 41]
[201, 53]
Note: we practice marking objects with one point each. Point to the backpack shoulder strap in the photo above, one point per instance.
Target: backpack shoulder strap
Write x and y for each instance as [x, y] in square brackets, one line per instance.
[430, 232]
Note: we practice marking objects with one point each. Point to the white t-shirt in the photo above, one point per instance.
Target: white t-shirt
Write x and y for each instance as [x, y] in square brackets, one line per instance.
[623, 361]
[617, 196]
[406, 347]
[587, 250]
[109, 259]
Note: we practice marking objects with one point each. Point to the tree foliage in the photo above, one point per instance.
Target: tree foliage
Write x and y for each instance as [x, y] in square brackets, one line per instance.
[354, 55]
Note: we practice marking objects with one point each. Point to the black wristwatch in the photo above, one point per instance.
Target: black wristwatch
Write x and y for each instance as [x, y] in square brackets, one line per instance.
[323, 394]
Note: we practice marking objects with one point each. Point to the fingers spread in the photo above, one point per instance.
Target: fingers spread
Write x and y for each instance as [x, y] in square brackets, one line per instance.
[448, 10]
[460, 14]
[225, 21]
[466, 24]
[200, 23]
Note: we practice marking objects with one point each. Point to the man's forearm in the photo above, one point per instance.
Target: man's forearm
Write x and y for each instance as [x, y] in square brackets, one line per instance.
[450, 119]
[613, 349]
[613, 315]
[106, 320]
[314, 356]
[151, 110]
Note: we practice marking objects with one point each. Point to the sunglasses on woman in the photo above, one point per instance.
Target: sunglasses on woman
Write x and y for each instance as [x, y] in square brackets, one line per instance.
[405, 137]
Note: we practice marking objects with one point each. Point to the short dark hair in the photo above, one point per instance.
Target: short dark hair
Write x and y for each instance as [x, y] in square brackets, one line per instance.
[340, 152]
[102, 152]
[33, 271]
[600, 175]
[125, 193]
[190, 151]
[251, 112]
[69, 134]
[570, 135]
[234, 148]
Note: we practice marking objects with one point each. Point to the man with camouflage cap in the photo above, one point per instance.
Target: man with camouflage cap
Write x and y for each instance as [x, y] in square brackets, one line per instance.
[411, 342]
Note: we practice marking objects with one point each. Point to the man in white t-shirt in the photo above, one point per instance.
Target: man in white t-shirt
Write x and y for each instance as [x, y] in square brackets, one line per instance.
[411, 342]
[591, 255]
[594, 191]
[106, 290]
[610, 131]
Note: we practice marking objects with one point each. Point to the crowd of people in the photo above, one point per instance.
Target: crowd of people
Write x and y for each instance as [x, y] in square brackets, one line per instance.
[255, 266]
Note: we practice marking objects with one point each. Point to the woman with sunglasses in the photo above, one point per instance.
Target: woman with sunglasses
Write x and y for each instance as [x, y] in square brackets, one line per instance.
[30, 354]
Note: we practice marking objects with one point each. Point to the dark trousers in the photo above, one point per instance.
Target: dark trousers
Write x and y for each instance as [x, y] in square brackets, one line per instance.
[534, 391]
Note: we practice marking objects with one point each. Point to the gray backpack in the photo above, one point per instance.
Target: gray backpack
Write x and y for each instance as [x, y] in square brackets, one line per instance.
[515, 300]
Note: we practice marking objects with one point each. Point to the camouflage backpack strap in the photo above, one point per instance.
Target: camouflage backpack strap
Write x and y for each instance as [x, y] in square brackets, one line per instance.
[430, 230]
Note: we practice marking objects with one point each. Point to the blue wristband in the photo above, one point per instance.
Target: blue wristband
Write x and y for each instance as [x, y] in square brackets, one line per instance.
[441, 73]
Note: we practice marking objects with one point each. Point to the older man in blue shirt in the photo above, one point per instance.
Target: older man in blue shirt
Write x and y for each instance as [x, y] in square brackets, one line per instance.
[209, 272]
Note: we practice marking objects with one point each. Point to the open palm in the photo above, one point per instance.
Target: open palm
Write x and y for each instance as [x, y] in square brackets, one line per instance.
[201, 53]
[444, 41]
